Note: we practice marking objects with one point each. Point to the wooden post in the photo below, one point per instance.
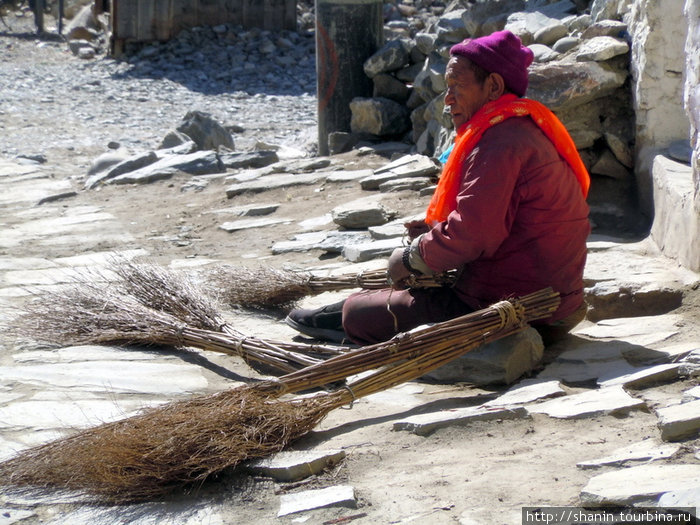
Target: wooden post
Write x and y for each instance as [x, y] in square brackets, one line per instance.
[348, 32]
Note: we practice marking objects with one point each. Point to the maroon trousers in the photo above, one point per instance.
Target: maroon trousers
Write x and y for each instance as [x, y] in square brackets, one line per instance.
[373, 316]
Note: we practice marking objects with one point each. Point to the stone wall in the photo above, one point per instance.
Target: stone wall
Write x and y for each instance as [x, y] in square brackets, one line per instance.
[676, 186]
[658, 35]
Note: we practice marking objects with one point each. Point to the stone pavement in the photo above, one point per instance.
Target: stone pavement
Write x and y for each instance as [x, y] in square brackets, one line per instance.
[620, 364]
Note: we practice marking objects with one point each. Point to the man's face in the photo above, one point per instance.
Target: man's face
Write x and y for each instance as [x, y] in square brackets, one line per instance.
[464, 95]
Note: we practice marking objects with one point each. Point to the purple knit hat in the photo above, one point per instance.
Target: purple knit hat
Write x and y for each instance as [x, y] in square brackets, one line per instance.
[501, 52]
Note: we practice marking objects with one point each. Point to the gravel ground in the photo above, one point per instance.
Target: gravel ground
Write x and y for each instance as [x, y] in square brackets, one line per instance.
[86, 104]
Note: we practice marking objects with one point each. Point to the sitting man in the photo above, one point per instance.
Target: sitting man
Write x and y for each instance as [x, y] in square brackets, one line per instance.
[509, 210]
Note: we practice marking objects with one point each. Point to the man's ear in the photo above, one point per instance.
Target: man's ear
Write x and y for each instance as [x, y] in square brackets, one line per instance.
[496, 85]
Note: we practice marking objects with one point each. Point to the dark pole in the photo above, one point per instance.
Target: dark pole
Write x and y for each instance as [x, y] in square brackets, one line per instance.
[348, 32]
[39, 15]
[60, 17]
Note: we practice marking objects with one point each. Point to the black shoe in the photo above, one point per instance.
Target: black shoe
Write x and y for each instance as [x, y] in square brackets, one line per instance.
[324, 323]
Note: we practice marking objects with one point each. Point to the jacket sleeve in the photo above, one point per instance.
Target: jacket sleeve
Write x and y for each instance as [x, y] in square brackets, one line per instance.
[486, 205]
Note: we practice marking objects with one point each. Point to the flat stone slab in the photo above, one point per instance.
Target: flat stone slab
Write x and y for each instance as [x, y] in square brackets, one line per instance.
[348, 176]
[67, 413]
[111, 376]
[249, 224]
[271, 182]
[647, 451]
[635, 330]
[611, 400]
[642, 378]
[572, 372]
[296, 464]
[640, 485]
[664, 354]
[249, 210]
[424, 424]
[337, 496]
[371, 250]
[678, 422]
[528, 391]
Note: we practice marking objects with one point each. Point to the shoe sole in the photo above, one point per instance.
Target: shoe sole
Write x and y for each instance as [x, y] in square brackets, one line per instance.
[325, 334]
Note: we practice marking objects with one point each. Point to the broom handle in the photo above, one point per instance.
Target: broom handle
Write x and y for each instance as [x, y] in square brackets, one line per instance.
[475, 326]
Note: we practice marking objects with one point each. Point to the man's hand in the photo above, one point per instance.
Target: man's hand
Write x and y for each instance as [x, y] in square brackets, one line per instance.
[416, 228]
[396, 270]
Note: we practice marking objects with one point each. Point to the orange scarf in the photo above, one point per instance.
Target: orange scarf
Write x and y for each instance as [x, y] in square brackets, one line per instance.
[444, 200]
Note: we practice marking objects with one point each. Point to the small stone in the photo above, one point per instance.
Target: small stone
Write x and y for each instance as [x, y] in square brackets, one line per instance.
[296, 465]
[527, 391]
[611, 400]
[424, 424]
[679, 422]
[647, 451]
[247, 224]
[337, 496]
[601, 48]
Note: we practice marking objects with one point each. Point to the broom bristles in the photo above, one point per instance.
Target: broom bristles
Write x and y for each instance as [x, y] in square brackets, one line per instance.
[267, 287]
[172, 446]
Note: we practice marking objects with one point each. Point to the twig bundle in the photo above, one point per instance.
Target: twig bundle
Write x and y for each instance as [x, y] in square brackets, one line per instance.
[184, 442]
[276, 288]
[141, 303]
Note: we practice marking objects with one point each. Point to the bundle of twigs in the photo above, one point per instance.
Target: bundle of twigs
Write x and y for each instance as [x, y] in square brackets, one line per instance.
[185, 442]
[142, 303]
[267, 287]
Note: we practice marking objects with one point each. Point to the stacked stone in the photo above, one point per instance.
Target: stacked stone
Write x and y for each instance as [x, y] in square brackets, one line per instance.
[580, 72]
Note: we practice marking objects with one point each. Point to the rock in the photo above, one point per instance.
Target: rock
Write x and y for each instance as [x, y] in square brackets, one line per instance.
[205, 131]
[499, 362]
[174, 138]
[387, 86]
[246, 160]
[620, 148]
[303, 242]
[128, 165]
[565, 44]
[610, 299]
[636, 330]
[424, 424]
[642, 378]
[647, 451]
[393, 55]
[405, 184]
[450, 27]
[107, 160]
[612, 28]
[348, 175]
[249, 210]
[247, 224]
[682, 499]
[609, 166]
[294, 465]
[670, 353]
[527, 391]
[640, 485]
[575, 372]
[389, 230]
[271, 182]
[367, 251]
[543, 53]
[551, 33]
[378, 116]
[605, 401]
[560, 85]
[601, 48]
[679, 422]
[337, 496]
[338, 241]
[361, 213]
[198, 163]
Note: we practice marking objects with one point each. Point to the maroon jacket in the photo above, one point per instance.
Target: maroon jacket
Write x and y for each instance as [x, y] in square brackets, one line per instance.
[520, 225]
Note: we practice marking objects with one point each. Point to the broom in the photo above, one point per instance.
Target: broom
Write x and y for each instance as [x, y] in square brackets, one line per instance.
[142, 303]
[186, 442]
[266, 287]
